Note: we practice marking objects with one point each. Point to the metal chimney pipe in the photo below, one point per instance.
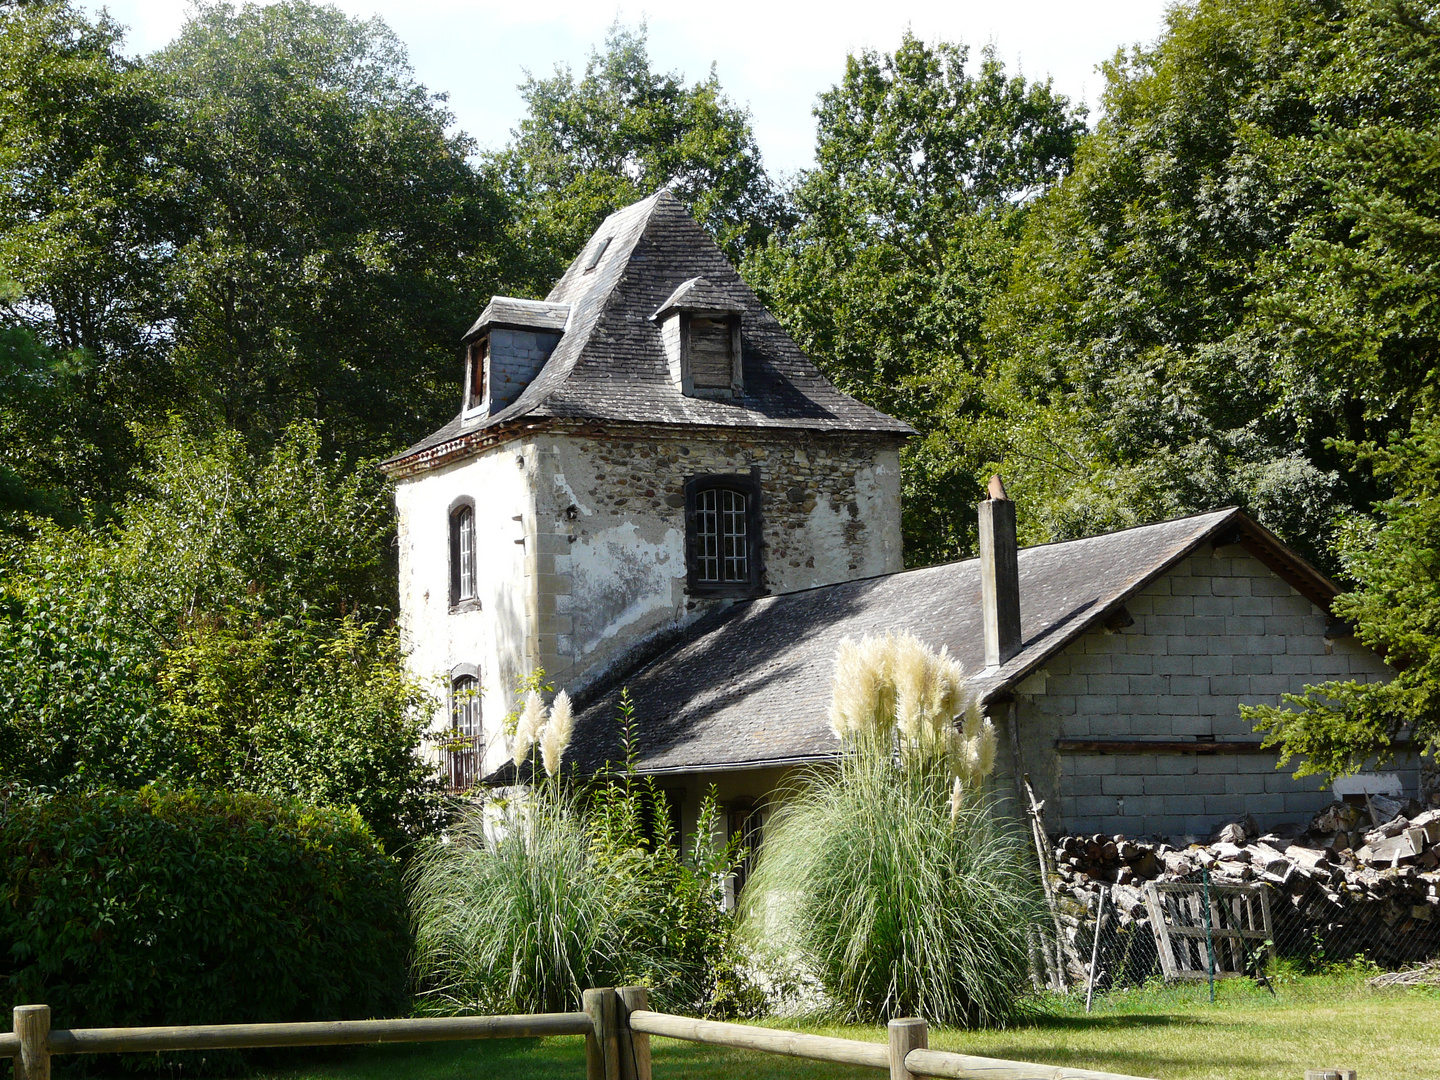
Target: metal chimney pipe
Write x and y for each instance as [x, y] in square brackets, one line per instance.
[999, 576]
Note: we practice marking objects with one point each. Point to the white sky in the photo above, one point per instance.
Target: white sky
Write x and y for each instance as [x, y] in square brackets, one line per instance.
[772, 56]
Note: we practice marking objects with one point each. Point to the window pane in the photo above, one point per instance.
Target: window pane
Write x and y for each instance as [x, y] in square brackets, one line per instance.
[467, 553]
[722, 552]
[464, 747]
[707, 536]
[732, 525]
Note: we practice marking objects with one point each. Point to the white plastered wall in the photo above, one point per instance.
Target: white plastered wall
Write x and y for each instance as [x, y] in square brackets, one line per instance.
[496, 634]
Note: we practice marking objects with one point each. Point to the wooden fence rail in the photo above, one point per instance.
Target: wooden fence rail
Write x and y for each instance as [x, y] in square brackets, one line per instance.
[616, 1025]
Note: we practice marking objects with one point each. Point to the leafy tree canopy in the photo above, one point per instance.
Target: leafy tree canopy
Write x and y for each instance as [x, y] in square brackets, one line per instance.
[335, 236]
[1337, 727]
[84, 249]
[228, 627]
[906, 227]
[591, 145]
[1233, 278]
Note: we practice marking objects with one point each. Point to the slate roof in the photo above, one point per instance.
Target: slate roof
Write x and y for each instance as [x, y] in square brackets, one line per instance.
[697, 294]
[520, 314]
[750, 686]
[610, 363]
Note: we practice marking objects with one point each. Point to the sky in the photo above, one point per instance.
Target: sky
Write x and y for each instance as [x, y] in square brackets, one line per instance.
[773, 57]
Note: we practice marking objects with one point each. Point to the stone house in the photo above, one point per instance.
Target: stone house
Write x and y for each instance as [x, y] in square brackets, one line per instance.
[642, 447]
[649, 486]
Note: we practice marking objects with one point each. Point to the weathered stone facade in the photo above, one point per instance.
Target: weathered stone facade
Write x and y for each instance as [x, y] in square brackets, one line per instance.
[580, 537]
[1217, 630]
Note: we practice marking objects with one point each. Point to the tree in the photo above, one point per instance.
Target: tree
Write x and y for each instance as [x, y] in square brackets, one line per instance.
[1211, 300]
[906, 226]
[84, 250]
[336, 239]
[590, 146]
[230, 627]
[1336, 728]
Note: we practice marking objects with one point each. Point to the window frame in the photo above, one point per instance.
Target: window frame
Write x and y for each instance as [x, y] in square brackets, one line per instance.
[476, 349]
[749, 486]
[463, 765]
[459, 600]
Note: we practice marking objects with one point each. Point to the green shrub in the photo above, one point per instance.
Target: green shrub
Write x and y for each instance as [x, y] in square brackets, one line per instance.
[155, 907]
[896, 907]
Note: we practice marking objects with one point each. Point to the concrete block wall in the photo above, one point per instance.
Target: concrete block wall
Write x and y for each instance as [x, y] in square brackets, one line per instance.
[516, 357]
[1217, 631]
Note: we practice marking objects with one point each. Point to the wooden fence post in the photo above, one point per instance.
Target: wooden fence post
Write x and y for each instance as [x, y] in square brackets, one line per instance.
[634, 1046]
[906, 1035]
[602, 1043]
[32, 1025]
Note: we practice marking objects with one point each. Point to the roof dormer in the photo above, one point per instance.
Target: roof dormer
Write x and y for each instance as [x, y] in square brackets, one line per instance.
[700, 326]
[505, 350]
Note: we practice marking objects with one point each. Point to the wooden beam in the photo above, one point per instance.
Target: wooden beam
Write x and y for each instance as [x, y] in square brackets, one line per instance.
[769, 1040]
[324, 1033]
[1162, 746]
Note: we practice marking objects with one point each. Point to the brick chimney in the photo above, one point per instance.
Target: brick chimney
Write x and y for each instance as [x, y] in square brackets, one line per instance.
[999, 576]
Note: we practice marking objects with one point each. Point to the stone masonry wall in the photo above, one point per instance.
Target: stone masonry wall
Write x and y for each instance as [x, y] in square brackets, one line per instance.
[609, 550]
[1218, 630]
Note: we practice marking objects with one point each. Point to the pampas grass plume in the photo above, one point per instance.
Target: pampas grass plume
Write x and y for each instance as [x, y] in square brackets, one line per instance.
[528, 728]
[555, 737]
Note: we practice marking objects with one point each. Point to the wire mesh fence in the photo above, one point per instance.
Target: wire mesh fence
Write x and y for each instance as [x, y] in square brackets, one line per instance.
[1131, 911]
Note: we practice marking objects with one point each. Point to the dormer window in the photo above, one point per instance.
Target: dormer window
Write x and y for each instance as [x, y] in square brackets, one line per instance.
[700, 328]
[477, 373]
[712, 351]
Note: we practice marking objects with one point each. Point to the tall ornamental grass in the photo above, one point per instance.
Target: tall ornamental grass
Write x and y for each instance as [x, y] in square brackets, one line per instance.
[891, 876]
[512, 913]
[527, 902]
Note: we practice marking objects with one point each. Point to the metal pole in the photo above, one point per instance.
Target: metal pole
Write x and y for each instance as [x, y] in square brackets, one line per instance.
[1095, 948]
[1209, 939]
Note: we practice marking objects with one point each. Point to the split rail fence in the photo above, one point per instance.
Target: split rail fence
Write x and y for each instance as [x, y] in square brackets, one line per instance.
[615, 1023]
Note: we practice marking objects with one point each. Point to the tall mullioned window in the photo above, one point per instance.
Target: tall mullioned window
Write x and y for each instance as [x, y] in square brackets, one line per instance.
[722, 531]
[722, 550]
[464, 747]
[462, 554]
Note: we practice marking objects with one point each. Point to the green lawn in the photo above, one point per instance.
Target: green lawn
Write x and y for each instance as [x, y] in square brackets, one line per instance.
[1167, 1033]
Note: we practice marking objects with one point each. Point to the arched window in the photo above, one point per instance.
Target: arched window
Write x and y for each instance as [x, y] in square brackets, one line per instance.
[462, 553]
[465, 742]
[722, 519]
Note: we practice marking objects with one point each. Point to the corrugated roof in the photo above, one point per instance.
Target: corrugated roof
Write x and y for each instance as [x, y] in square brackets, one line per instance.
[610, 365]
[750, 686]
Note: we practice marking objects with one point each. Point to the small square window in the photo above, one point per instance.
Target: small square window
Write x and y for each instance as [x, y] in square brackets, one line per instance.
[722, 531]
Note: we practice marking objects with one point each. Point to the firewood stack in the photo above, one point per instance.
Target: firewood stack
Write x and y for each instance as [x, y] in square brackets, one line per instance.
[1343, 884]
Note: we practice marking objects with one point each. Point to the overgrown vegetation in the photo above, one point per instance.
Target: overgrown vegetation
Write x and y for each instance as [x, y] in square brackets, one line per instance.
[532, 898]
[197, 907]
[227, 627]
[1335, 728]
[891, 878]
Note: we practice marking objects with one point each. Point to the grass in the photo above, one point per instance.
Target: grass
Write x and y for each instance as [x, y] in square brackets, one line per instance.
[1169, 1033]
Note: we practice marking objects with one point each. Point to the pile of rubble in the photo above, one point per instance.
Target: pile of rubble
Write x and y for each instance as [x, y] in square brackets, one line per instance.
[1344, 884]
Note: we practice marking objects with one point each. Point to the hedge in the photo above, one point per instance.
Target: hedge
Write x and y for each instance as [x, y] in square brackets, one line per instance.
[189, 907]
